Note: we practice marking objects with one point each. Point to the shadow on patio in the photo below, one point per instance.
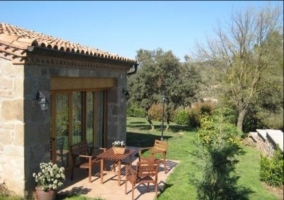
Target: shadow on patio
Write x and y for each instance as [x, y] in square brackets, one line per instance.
[110, 190]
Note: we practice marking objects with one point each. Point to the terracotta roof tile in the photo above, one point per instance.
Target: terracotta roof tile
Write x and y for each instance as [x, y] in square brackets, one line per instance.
[20, 38]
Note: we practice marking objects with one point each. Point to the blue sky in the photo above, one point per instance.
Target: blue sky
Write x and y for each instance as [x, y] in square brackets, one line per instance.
[123, 27]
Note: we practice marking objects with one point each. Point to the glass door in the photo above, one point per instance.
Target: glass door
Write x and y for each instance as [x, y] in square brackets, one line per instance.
[76, 116]
[95, 118]
[90, 118]
[61, 135]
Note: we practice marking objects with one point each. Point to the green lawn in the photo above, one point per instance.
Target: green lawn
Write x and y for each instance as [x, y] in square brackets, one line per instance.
[180, 140]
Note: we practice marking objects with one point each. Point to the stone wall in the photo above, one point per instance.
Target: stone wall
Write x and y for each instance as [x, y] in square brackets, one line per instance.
[12, 125]
[25, 129]
[265, 144]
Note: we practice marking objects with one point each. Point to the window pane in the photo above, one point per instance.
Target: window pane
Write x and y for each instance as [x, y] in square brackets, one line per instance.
[62, 129]
[90, 117]
[77, 119]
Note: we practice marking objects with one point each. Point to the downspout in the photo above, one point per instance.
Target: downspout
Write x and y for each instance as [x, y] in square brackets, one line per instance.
[135, 69]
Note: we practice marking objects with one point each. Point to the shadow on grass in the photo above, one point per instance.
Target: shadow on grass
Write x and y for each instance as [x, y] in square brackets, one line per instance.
[164, 188]
[141, 126]
[137, 123]
[76, 194]
[73, 194]
[145, 126]
[142, 139]
[180, 128]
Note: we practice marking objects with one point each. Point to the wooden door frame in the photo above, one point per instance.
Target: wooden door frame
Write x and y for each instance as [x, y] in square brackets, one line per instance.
[68, 85]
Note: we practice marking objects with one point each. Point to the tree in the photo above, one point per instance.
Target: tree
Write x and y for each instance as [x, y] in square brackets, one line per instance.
[267, 110]
[241, 56]
[161, 73]
[269, 103]
[178, 82]
[143, 84]
[218, 145]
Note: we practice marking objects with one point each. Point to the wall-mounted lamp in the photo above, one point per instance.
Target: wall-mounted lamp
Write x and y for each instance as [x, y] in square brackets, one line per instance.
[126, 94]
[42, 101]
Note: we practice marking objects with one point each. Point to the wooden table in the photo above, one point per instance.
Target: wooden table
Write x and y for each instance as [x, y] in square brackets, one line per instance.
[109, 155]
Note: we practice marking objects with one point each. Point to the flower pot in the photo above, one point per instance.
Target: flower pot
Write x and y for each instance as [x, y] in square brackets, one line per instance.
[118, 150]
[45, 195]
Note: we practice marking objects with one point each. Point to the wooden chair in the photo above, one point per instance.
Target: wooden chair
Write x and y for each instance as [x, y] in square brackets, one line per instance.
[160, 147]
[84, 157]
[146, 172]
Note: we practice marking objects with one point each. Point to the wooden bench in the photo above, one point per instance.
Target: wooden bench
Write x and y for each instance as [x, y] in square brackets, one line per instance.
[84, 157]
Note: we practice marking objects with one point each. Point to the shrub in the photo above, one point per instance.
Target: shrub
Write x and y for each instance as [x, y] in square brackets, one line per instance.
[218, 144]
[181, 117]
[271, 169]
[156, 112]
[135, 111]
[192, 116]
[203, 108]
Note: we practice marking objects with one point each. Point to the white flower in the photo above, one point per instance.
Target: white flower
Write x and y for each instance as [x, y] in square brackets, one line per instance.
[118, 144]
[50, 176]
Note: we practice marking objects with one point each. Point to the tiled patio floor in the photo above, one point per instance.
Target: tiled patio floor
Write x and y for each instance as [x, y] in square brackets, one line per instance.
[110, 190]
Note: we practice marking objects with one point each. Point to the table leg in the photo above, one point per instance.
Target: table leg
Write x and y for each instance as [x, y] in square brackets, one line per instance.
[130, 160]
[118, 172]
[102, 171]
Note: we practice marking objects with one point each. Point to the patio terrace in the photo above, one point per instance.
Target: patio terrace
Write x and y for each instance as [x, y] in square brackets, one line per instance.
[110, 190]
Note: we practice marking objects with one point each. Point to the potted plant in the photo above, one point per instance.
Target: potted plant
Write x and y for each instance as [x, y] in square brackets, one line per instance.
[118, 147]
[48, 180]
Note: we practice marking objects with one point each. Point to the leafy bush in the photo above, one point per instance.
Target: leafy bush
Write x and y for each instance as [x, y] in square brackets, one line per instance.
[181, 117]
[135, 111]
[271, 169]
[192, 116]
[256, 118]
[156, 112]
[228, 112]
[274, 121]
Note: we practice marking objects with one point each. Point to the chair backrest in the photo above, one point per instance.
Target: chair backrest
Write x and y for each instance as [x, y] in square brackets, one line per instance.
[145, 169]
[161, 145]
[80, 148]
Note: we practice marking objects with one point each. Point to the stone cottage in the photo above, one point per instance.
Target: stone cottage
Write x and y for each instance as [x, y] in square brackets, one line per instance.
[54, 93]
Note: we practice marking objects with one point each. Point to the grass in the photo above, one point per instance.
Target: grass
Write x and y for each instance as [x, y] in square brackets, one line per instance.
[180, 140]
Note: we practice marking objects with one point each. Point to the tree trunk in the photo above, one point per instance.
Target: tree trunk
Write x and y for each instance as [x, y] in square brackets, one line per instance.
[168, 124]
[151, 123]
[149, 120]
[241, 117]
[167, 127]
